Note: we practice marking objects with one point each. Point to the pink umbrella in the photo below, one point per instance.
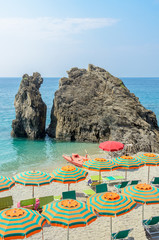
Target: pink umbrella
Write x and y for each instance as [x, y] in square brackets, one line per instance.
[111, 146]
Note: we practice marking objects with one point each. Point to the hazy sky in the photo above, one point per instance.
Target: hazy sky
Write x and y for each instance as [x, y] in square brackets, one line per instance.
[51, 36]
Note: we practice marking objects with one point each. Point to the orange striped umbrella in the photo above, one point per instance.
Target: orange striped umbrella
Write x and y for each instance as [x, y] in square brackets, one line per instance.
[142, 193]
[111, 204]
[68, 214]
[128, 162]
[33, 178]
[19, 223]
[69, 174]
[149, 159]
[6, 183]
[100, 165]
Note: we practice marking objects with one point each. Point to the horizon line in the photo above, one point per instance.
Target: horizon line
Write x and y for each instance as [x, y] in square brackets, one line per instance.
[115, 76]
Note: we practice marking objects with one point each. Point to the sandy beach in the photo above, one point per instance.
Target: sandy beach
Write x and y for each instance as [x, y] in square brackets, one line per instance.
[100, 229]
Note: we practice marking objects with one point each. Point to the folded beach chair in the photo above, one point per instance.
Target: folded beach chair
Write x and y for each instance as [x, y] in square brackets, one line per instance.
[69, 195]
[28, 203]
[101, 188]
[6, 202]
[122, 185]
[151, 226]
[155, 180]
[121, 234]
[45, 200]
[134, 182]
[88, 192]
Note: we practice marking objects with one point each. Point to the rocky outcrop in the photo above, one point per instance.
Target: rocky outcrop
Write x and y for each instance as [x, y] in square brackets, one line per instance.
[92, 105]
[30, 109]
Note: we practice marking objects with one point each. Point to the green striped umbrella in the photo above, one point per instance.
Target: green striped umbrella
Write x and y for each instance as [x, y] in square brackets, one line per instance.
[68, 214]
[128, 162]
[142, 193]
[149, 159]
[100, 165]
[33, 178]
[19, 223]
[69, 174]
[111, 204]
[6, 183]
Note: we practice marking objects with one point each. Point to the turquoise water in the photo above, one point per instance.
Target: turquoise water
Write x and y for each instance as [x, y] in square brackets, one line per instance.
[20, 154]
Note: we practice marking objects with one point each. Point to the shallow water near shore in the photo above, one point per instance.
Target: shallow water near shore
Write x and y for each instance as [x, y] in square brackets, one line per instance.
[21, 154]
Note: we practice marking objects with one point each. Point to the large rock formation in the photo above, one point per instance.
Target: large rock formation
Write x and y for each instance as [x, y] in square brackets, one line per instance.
[30, 109]
[92, 105]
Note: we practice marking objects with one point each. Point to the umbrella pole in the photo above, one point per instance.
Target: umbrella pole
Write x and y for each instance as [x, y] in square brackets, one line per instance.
[68, 233]
[142, 212]
[110, 228]
[126, 175]
[111, 155]
[99, 176]
[42, 234]
[148, 179]
[33, 192]
[68, 186]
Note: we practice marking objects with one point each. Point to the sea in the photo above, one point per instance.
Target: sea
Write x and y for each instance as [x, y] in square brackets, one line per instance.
[18, 154]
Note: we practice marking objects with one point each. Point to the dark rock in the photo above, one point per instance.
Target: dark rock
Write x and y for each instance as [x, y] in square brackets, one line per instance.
[30, 109]
[92, 105]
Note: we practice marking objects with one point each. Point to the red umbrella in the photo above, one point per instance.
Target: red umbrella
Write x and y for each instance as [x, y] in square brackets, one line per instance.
[111, 146]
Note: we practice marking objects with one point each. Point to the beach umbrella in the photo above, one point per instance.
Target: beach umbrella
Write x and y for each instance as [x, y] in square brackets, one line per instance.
[18, 223]
[111, 146]
[33, 178]
[111, 205]
[128, 162]
[69, 174]
[100, 165]
[6, 183]
[149, 159]
[142, 193]
[68, 213]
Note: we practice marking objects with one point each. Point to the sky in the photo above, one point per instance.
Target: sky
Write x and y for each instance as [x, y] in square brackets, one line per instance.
[52, 36]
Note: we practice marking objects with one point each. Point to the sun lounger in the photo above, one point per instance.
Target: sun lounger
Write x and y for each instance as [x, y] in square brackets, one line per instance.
[95, 178]
[6, 202]
[69, 195]
[101, 188]
[122, 185]
[121, 234]
[151, 226]
[45, 200]
[57, 198]
[134, 182]
[112, 179]
[155, 180]
[88, 192]
[28, 203]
